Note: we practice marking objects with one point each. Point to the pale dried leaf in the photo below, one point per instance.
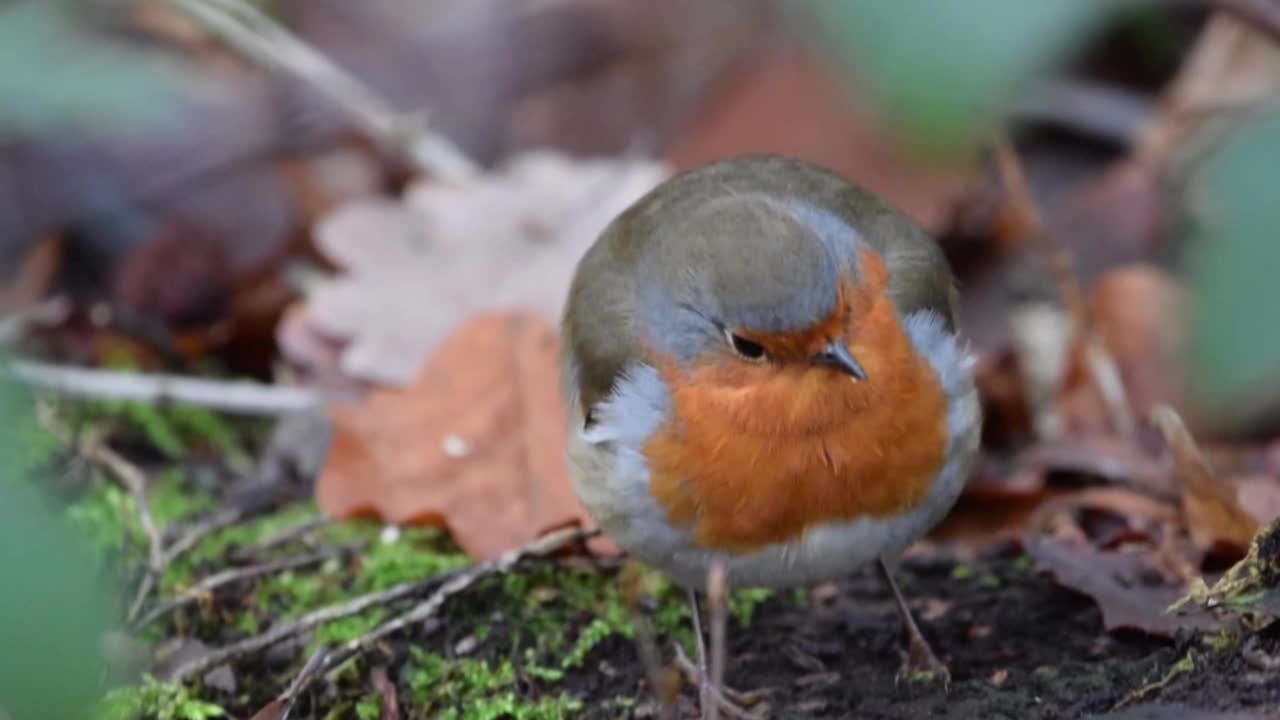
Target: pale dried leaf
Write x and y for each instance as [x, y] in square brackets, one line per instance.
[510, 239]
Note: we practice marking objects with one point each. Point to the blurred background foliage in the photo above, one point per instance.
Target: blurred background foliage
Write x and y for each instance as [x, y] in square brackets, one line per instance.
[944, 75]
[55, 607]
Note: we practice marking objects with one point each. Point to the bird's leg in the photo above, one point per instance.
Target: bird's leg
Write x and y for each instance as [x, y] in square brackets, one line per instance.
[700, 643]
[712, 698]
[922, 664]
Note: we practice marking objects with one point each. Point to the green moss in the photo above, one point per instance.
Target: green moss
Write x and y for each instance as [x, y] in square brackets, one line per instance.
[345, 630]
[155, 701]
[592, 635]
[417, 554]
[534, 670]
[172, 500]
[369, 707]
[962, 572]
[989, 580]
[743, 603]
[467, 689]
[107, 516]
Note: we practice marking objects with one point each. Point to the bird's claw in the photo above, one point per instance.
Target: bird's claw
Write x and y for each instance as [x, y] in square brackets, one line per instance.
[922, 668]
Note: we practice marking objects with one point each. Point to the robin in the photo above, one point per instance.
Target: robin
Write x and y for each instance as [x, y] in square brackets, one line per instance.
[762, 372]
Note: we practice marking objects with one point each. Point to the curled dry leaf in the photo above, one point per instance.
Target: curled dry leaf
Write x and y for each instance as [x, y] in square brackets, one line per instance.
[476, 444]
[1133, 312]
[1121, 583]
[510, 239]
[1211, 507]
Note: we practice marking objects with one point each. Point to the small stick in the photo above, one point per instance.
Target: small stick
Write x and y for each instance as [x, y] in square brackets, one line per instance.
[220, 520]
[284, 537]
[211, 583]
[238, 397]
[256, 36]
[282, 705]
[453, 582]
[1110, 385]
[134, 480]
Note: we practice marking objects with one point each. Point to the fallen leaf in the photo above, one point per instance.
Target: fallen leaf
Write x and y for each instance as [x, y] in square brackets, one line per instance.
[1119, 582]
[1259, 495]
[1210, 506]
[508, 239]
[1134, 312]
[476, 444]
[273, 710]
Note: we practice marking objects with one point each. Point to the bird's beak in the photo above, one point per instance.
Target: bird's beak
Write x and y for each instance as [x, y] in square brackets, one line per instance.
[836, 355]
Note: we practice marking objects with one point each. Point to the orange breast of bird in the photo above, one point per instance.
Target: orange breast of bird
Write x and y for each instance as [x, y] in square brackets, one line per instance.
[755, 454]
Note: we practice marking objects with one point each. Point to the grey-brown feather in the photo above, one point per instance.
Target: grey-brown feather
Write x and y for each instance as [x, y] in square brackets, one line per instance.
[601, 329]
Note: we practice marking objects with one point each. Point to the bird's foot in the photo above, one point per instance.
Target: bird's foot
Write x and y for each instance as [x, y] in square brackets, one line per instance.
[921, 667]
[732, 703]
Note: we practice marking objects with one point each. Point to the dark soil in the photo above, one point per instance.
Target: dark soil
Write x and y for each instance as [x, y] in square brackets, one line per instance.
[1018, 647]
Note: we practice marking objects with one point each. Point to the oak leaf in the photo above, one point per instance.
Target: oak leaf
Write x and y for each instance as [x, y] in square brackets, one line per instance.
[476, 444]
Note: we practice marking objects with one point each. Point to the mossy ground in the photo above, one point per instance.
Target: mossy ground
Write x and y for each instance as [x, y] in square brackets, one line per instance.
[554, 639]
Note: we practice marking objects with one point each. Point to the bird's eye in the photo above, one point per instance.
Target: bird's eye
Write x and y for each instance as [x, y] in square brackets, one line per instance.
[745, 348]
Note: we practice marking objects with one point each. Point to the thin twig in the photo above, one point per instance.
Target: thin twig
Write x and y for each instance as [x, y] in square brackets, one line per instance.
[95, 450]
[238, 397]
[453, 583]
[258, 37]
[284, 537]
[1105, 374]
[211, 583]
[282, 705]
[14, 325]
[219, 520]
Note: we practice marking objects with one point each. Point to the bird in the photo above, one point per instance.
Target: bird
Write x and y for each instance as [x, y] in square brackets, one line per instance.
[763, 373]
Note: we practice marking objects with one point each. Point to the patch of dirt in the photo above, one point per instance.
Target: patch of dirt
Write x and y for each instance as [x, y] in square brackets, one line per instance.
[1018, 647]
[1242, 678]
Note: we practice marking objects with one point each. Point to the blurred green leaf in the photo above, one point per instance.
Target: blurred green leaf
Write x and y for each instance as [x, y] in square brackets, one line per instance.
[53, 607]
[54, 70]
[943, 70]
[1234, 345]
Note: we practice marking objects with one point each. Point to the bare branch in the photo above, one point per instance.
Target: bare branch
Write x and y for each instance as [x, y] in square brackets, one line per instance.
[239, 397]
[263, 40]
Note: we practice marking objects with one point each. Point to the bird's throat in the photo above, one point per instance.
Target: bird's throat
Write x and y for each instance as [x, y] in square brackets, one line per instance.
[748, 460]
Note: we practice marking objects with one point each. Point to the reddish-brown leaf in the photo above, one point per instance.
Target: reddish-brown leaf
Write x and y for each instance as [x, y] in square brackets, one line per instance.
[477, 444]
[1211, 507]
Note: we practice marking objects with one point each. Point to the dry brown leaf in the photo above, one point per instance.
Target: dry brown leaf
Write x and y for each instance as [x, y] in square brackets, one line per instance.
[1121, 585]
[510, 239]
[476, 444]
[1211, 508]
[1136, 311]
[1259, 495]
